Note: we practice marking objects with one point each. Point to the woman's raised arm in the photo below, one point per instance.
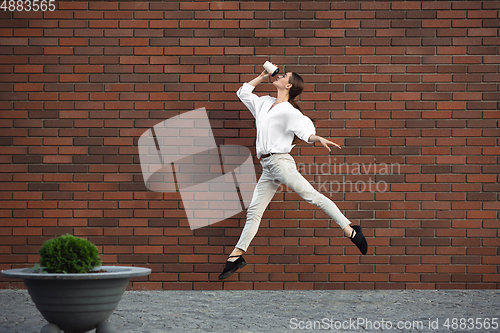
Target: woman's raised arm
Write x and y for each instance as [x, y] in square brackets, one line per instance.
[259, 79]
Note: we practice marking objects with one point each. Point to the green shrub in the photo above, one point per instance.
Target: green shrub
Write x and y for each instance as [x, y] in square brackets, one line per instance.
[69, 254]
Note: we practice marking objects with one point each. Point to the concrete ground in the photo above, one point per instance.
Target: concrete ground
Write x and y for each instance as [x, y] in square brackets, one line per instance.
[282, 311]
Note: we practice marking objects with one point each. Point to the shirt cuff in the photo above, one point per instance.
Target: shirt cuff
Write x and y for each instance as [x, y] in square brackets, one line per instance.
[247, 87]
[304, 136]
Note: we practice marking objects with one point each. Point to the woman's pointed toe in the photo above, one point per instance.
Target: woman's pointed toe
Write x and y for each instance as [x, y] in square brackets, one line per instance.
[232, 266]
[359, 239]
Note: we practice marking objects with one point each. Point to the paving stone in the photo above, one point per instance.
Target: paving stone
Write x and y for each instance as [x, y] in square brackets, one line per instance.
[276, 311]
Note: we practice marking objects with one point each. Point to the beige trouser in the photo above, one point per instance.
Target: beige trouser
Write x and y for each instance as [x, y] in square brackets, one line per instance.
[278, 169]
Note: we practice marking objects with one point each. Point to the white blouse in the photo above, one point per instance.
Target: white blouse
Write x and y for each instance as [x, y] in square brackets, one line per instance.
[276, 127]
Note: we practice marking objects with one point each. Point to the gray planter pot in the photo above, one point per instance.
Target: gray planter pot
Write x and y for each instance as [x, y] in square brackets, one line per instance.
[77, 303]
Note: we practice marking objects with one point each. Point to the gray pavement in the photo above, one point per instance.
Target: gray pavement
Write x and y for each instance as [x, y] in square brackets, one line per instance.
[282, 311]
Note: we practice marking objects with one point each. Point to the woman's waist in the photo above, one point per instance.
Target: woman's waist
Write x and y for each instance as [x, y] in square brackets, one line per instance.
[271, 159]
[264, 156]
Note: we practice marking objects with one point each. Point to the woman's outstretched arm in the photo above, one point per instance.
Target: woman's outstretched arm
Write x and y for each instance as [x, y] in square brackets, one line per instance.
[324, 142]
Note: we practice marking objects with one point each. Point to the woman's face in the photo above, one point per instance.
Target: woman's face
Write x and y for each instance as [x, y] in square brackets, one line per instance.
[281, 81]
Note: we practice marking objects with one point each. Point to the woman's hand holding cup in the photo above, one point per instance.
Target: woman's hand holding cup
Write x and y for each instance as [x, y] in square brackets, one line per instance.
[271, 68]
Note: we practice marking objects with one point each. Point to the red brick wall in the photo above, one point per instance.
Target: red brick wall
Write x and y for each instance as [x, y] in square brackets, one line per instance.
[412, 84]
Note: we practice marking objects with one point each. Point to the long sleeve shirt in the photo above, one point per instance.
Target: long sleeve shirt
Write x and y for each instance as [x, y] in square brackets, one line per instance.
[276, 126]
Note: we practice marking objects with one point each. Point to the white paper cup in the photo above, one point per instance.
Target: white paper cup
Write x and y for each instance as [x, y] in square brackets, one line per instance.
[271, 69]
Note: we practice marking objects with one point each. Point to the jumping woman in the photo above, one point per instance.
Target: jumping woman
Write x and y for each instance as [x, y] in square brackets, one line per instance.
[278, 120]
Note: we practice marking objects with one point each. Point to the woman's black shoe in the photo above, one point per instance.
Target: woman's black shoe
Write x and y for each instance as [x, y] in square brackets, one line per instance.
[232, 266]
[359, 239]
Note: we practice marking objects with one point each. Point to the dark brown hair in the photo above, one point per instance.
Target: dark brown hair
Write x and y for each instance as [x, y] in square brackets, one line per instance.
[296, 89]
